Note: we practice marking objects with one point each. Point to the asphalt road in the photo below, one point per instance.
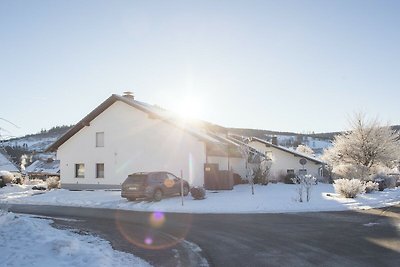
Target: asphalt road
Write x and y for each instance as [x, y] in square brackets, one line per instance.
[365, 238]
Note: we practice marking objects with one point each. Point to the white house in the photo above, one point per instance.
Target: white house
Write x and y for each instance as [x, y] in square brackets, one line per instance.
[122, 136]
[285, 161]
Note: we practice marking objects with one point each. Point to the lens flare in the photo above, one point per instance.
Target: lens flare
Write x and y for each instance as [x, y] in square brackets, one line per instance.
[148, 241]
[153, 230]
[157, 219]
[169, 183]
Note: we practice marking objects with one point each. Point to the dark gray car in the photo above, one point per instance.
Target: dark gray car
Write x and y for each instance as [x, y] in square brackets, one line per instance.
[152, 185]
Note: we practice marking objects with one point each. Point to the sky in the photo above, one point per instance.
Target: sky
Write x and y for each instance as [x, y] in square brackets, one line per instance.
[298, 66]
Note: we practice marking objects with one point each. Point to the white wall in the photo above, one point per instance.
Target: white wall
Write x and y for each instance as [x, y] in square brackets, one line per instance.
[133, 143]
[282, 161]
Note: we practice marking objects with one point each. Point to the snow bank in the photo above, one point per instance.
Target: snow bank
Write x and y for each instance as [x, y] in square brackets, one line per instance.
[28, 241]
[273, 198]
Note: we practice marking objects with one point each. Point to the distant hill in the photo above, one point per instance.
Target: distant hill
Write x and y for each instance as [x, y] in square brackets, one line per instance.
[32, 146]
[37, 142]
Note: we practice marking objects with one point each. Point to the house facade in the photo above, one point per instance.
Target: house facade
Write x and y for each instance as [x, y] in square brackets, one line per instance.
[285, 161]
[123, 136]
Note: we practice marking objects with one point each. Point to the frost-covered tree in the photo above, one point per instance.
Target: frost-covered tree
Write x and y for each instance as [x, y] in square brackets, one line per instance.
[304, 149]
[246, 153]
[367, 146]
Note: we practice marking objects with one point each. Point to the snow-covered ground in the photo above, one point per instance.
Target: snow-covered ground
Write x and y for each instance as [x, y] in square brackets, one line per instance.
[273, 198]
[31, 241]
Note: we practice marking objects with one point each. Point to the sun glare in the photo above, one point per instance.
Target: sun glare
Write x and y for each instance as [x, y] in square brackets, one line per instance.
[190, 108]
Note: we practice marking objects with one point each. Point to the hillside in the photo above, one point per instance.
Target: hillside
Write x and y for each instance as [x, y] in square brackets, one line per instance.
[37, 142]
[32, 146]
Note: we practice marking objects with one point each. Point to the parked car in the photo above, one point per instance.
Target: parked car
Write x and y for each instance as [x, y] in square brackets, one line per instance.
[152, 185]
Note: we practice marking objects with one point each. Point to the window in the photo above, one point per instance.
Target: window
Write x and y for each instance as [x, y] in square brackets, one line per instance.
[290, 171]
[302, 171]
[100, 170]
[100, 139]
[79, 170]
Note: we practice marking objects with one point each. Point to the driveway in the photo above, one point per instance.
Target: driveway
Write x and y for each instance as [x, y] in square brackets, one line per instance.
[362, 238]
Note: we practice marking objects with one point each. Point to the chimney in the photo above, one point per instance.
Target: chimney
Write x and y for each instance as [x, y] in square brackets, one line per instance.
[275, 140]
[129, 95]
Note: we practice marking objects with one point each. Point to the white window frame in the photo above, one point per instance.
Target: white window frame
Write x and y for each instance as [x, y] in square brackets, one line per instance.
[99, 139]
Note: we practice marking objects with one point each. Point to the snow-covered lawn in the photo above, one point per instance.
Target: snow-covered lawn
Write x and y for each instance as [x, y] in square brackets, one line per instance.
[273, 198]
[29, 241]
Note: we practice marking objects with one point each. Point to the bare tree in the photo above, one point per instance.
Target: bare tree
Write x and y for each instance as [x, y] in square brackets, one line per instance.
[366, 146]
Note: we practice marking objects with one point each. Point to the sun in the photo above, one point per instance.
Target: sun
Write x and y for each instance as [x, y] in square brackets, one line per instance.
[190, 107]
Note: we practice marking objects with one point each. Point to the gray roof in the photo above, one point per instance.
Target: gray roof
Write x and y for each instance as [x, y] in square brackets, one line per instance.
[285, 149]
[45, 167]
[6, 164]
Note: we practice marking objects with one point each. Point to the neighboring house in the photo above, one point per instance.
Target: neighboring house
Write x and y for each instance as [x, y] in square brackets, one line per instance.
[286, 161]
[42, 169]
[6, 164]
[122, 136]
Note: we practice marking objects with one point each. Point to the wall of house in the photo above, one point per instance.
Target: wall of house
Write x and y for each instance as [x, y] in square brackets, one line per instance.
[282, 161]
[133, 142]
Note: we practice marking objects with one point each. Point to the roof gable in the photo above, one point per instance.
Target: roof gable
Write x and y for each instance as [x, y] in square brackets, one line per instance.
[199, 131]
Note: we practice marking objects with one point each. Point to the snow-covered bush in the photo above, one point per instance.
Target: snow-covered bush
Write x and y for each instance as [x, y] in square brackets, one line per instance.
[53, 182]
[367, 144]
[198, 192]
[350, 170]
[6, 176]
[304, 184]
[371, 186]
[349, 188]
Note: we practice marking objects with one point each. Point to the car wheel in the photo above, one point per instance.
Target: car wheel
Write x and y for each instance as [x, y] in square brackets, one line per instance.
[157, 195]
[185, 190]
[132, 198]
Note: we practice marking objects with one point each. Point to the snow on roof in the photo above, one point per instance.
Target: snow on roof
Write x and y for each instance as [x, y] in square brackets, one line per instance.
[6, 164]
[45, 167]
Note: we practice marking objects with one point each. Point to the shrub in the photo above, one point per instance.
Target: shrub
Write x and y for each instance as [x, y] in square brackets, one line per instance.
[289, 178]
[6, 176]
[349, 188]
[390, 181]
[350, 170]
[198, 192]
[304, 183]
[385, 181]
[371, 186]
[260, 176]
[53, 182]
